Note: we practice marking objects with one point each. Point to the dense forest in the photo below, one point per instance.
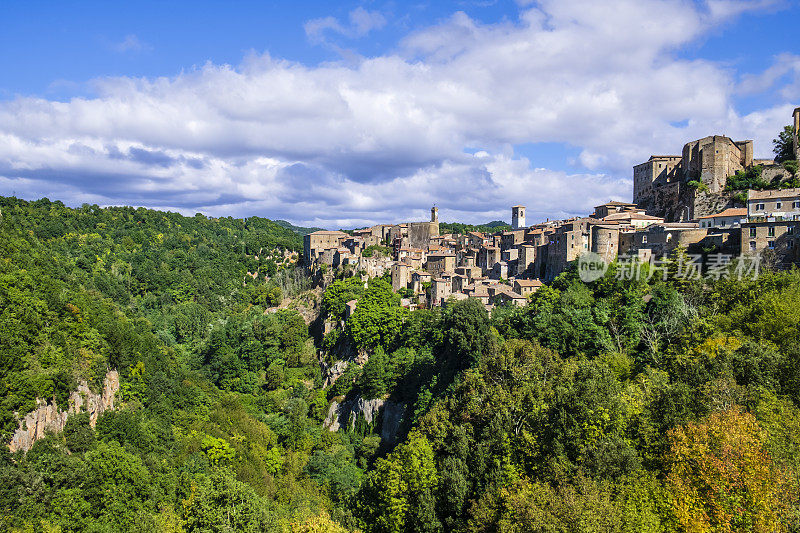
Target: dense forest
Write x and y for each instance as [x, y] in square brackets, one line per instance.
[614, 406]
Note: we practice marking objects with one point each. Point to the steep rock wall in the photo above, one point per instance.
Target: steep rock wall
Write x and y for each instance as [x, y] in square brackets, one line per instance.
[388, 414]
[48, 417]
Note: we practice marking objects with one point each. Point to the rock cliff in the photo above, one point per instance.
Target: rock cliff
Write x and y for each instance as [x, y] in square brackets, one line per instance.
[388, 414]
[48, 416]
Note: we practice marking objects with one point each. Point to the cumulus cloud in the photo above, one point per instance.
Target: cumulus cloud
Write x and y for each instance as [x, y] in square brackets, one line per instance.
[339, 145]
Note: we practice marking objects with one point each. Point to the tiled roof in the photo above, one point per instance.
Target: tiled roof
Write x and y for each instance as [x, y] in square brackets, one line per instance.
[764, 195]
[730, 212]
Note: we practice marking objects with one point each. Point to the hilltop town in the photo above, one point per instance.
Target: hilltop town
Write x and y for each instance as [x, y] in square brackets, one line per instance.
[681, 200]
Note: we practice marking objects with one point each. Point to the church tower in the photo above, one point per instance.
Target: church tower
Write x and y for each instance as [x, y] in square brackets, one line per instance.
[518, 217]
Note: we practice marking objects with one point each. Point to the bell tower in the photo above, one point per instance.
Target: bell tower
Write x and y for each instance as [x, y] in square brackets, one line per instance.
[518, 217]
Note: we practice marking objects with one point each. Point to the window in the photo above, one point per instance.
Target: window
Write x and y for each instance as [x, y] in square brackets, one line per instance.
[778, 205]
[752, 232]
[759, 207]
[644, 239]
[722, 223]
[795, 205]
[771, 231]
[752, 246]
[770, 244]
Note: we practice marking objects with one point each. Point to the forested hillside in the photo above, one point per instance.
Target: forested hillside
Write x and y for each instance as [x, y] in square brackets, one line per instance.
[620, 405]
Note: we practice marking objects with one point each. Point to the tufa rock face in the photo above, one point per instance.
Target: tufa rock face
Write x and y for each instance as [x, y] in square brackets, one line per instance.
[333, 372]
[390, 415]
[48, 417]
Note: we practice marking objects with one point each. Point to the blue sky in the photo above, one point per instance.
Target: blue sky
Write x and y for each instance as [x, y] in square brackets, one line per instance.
[359, 112]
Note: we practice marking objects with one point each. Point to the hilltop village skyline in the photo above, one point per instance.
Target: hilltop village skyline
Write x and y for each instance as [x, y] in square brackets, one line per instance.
[714, 197]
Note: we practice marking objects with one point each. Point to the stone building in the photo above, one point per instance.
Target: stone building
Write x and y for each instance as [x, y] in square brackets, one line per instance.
[711, 160]
[420, 233]
[692, 185]
[401, 276]
[314, 244]
[439, 262]
[780, 203]
[504, 295]
[662, 184]
[779, 238]
[525, 259]
[488, 256]
[661, 239]
[441, 288]
[526, 287]
[614, 207]
[730, 218]
[509, 239]
[656, 171]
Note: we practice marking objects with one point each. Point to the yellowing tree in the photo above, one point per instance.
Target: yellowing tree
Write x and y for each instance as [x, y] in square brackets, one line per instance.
[723, 479]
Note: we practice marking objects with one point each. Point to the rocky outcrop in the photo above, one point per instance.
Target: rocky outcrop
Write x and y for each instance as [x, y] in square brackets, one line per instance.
[374, 412]
[48, 416]
[331, 373]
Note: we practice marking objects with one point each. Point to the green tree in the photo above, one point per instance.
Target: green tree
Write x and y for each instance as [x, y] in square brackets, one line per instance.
[373, 376]
[78, 433]
[783, 146]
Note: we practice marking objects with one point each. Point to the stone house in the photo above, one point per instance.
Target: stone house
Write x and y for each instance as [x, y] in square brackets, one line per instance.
[439, 262]
[401, 276]
[441, 288]
[504, 296]
[779, 237]
[526, 287]
[488, 256]
[418, 279]
[613, 207]
[778, 204]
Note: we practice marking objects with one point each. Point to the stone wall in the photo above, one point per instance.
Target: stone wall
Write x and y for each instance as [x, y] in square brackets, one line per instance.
[49, 418]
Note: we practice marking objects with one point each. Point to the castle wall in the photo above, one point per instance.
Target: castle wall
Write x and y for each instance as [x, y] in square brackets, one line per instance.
[420, 233]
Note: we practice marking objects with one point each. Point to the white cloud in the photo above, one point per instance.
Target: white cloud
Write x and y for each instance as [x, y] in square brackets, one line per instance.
[383, 139]
[361, 23]
[130, 43]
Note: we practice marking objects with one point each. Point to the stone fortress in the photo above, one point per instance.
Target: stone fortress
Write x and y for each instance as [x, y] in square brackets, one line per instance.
[686, 187]
[677, 201]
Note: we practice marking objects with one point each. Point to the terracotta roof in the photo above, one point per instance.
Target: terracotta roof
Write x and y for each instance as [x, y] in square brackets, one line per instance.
[632, 215]
[730, 212]
[528, 282]
[763, 195]
[616, 202]
[510, 293]
[327, 232]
